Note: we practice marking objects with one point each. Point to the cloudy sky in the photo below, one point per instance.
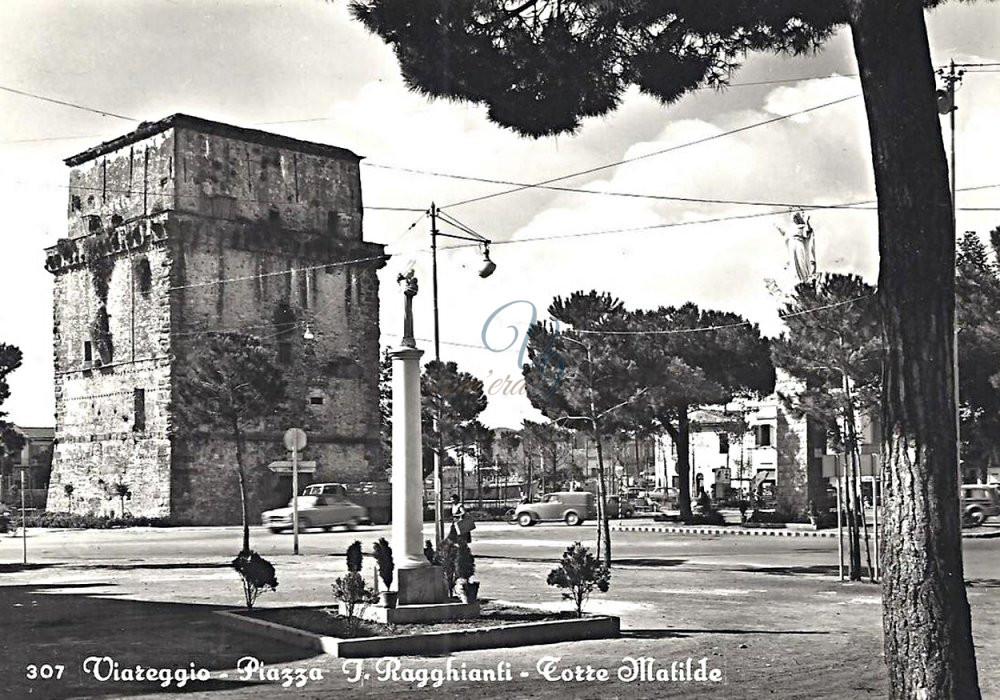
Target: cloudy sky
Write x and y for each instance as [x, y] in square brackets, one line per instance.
[303, 68]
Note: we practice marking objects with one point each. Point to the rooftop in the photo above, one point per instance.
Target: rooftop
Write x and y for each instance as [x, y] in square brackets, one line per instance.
[266, 138]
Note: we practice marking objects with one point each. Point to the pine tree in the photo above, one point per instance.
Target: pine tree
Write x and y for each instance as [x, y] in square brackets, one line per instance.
[834, 347]
[231, 384]
[582, 381]
[543, 65]
[684, 370]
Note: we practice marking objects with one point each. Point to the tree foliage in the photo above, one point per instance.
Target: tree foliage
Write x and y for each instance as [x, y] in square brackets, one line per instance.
[10, 440]
[452, 396]
[385, 407]
[977, 295]
[580, 574]
[492, 52]
[833, 332]
[231, 384]
[583, 380]
[257, 574]
[552, 445]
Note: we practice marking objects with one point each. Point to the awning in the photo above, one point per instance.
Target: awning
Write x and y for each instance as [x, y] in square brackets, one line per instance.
[764, 475]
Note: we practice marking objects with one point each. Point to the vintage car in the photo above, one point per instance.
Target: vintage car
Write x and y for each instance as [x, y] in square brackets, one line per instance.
[317, 510]
[619, 507]
[979, 502]
[572, 507]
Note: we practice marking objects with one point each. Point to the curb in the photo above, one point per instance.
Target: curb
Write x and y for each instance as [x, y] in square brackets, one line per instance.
[753, 532]
[763, 532]
[523, 634]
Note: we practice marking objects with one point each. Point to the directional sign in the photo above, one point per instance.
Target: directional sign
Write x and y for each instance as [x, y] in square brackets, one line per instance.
[284, 466]
[295, 439]
[868, 465]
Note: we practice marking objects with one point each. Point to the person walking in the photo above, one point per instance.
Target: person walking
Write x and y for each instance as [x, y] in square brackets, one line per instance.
[461, 522]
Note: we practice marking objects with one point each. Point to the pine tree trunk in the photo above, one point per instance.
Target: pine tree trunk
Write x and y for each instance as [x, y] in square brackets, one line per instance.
[683, 441]
[241, 471]
[926, 618]
[604, 531]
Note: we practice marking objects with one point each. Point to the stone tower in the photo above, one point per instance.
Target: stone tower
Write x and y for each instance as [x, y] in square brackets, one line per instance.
[184, 227]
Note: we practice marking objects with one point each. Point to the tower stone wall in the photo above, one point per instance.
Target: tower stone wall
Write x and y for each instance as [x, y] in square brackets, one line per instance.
[187, 227]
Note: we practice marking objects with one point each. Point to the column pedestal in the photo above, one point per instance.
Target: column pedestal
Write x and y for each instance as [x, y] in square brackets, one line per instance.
[417, 581]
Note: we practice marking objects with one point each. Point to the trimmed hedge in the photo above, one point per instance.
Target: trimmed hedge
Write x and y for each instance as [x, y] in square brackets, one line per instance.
[709, 517]
[90, 521]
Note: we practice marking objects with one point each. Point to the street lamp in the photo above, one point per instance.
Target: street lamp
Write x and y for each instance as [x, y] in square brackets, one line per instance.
[487, 269]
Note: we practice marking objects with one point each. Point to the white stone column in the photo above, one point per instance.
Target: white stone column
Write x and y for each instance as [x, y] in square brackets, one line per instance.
[407, 472]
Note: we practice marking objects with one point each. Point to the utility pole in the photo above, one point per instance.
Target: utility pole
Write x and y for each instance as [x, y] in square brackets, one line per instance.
[438, 471]
[488, 268]
[946, 105]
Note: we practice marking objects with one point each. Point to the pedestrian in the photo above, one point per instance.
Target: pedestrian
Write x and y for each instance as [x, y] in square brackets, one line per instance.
[461, 522]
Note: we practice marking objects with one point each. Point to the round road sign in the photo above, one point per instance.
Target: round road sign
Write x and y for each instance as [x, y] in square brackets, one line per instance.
[295, 439]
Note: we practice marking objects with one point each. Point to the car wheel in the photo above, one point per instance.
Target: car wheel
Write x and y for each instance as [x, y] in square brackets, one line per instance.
[510, 516]
[572, 519]
[628, 513]
[304, 524]
[351, 524]
[328, 528]
[525, 520]
[275, 530]
[976, 517]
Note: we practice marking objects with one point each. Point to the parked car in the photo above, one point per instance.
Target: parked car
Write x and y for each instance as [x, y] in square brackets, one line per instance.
[979, 502]
[572, 507]
[663, 499]
[317, 510]
[619, 508]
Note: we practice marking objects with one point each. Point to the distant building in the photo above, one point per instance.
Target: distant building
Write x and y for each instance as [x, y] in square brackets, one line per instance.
[753, 448]
[187, 226]
[35, 457]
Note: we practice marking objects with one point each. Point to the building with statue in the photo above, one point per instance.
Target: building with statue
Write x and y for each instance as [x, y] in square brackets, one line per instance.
[186, 227]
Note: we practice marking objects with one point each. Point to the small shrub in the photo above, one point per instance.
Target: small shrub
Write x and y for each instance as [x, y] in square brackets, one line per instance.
[777, 516]
[580, 573]
[356, 595]
[354, 557]
[257, 574]
[91, 521]
[383, 556]
[465, 563]
[447, 559]
[709, 517]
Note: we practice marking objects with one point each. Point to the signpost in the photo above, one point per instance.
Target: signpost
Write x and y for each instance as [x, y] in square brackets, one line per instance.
[295, 440]
[24, 524]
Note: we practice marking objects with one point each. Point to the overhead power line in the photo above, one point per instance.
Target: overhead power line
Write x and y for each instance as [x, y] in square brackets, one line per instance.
[103, 113]
[660, 152]
[844, 206]
[605, 193]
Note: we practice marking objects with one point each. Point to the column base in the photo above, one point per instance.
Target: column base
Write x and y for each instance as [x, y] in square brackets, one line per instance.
[424, 585]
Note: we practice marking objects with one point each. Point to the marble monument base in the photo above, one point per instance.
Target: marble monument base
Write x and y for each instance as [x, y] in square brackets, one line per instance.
[422, 585]
[417, 614]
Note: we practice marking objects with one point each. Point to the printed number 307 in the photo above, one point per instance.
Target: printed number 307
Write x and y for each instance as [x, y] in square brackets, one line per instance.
[45, 671]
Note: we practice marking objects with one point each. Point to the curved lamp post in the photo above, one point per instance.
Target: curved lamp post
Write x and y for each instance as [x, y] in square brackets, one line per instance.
[485, 271]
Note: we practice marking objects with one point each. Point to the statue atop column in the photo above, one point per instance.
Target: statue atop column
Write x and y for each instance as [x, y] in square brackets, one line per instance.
[801, 245]
[408, 282]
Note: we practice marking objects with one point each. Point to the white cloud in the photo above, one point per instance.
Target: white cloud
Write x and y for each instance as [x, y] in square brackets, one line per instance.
[305, 59]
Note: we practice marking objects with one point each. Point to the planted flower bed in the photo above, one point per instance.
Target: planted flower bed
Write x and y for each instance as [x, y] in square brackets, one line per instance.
[326, 621]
